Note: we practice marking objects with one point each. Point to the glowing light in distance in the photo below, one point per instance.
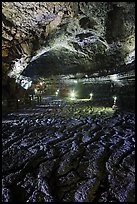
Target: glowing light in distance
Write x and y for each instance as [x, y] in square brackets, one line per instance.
[41, 83]
[72, 94]
[18, 100]
[115, 99]
[114, 77]
[57, 92]
[91, 95]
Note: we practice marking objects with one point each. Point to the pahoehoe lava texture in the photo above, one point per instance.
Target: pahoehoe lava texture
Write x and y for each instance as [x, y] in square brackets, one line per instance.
[66, 153]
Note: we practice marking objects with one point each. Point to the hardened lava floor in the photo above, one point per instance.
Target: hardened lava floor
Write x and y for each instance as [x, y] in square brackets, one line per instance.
[68, 153]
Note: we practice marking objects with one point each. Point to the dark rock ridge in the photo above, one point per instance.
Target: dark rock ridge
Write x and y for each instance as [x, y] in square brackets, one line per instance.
[63, 153]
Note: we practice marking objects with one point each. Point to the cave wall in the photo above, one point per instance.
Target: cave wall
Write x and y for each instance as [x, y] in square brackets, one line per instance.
[102, 33]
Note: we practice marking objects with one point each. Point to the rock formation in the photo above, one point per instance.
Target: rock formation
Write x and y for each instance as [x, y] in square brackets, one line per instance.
[66, 37]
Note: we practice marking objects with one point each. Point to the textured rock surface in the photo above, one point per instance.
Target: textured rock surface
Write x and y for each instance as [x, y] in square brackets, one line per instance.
[91, 33]
[63, 153]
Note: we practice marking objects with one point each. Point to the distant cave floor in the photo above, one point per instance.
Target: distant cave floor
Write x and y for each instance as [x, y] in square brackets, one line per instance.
[68, 153]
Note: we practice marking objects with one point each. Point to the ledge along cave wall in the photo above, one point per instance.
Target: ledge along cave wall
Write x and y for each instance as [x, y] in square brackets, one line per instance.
[62, 150]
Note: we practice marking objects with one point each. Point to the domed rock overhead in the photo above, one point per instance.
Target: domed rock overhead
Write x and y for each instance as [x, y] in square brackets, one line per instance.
[52, 38]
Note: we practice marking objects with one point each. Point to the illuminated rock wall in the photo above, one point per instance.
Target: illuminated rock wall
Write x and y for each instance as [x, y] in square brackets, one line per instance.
[66, 37]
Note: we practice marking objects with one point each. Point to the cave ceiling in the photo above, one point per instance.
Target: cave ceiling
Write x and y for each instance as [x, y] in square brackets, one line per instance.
[41, 39]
